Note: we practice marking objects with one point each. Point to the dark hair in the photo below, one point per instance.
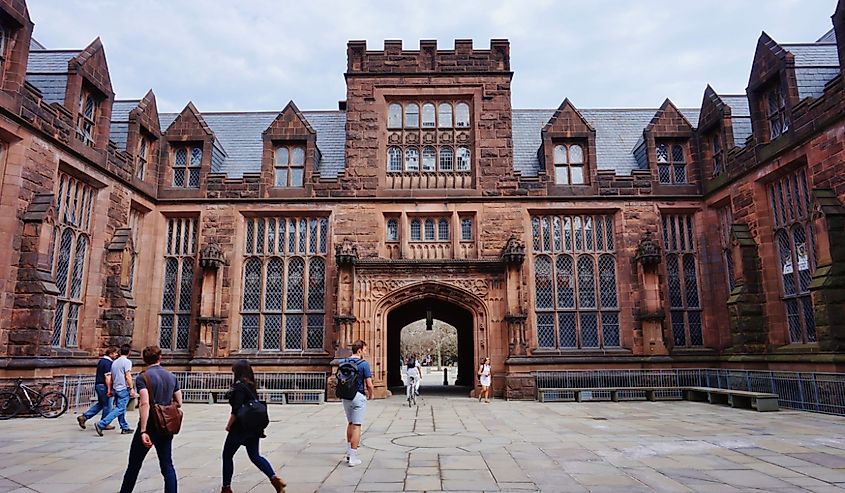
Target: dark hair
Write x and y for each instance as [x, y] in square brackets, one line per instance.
[357, 346]
[151, 355]
[243, 373]
[110, 350]
[125, 349]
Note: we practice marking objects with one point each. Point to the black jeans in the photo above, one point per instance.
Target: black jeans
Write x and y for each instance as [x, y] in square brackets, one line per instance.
[137, 452]
[234, 441]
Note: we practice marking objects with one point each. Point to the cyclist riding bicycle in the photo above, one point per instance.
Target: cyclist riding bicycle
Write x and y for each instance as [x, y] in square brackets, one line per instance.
[414, 376]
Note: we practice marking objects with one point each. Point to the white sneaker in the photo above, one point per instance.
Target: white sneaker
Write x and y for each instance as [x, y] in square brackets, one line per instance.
[354, 461]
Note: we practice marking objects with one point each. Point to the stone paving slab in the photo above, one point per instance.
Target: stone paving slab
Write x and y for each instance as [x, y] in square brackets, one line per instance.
[456, 444]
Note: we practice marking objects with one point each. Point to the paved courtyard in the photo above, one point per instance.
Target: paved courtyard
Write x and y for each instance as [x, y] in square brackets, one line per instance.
[458, 444]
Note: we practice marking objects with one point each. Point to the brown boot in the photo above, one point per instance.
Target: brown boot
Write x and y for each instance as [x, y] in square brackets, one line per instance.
[226, 489]
[278, 484]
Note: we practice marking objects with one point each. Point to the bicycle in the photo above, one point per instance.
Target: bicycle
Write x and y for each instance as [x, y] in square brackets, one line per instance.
[410, 391]
[49, 405]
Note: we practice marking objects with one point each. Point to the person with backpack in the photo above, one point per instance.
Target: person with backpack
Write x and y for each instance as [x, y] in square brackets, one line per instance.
[246, 426]
[160, 397]
[354, 386]
[414, 371]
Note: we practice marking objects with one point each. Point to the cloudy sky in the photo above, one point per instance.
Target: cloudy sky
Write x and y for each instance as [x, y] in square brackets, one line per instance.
[258, 54]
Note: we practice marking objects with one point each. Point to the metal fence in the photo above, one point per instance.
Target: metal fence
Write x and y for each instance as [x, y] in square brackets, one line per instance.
[205, 387]
[806, 391]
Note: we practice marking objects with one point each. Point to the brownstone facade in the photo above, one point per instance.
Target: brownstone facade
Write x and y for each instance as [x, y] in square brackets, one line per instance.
[560, 238]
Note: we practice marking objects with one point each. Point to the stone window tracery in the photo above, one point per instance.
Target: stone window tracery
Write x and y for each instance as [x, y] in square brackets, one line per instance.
[671, 162]
[576, 300]
[289, 163]
[145, 148]
[70, 251]
[186, 166]
[569, 164]
[795, 242]
[283, 303]
[87, 117]
[429, 229]
[776, 111]
[177, 295]
[682, 279]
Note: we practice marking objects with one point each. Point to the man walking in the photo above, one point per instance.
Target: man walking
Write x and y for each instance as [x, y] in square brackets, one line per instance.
[123, 390]
[356, 407]
[155, 386]
[102, 387]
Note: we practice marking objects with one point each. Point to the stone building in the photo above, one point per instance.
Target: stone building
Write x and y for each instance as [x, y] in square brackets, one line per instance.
[560, 238]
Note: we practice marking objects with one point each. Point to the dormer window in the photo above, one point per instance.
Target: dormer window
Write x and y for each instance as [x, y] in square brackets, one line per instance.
[5, 34]
[569, 164]
[144, 150]
[290, 166]
[186, 166]
[776, 111]
[718, 153]
[85, 125]
[671, 163]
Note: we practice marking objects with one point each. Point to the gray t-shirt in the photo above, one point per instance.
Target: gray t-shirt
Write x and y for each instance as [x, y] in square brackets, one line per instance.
[119, 368]
[163, 382]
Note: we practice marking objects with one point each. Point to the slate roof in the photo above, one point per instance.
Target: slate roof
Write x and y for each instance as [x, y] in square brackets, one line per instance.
[617, 134]
[740, 116]
[829, 37]
[47, 70]
[815, 65]
[120, 121]
[239, 133]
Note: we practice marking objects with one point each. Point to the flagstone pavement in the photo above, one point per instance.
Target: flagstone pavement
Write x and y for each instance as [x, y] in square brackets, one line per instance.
[459, 444]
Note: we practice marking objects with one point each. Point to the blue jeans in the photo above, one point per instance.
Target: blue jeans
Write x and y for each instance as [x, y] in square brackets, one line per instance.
[137, 452]
[103, 402]
[234, 440]
[118, 411]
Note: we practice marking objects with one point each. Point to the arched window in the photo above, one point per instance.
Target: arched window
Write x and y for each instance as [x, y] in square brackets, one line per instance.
[429, 158]
[394, 116]
[428, 115]
[462, 115]
[186, 173]
[412, 159]
[466, 229]
[463, 159]
[682, 281]
[394, 159]
[446, 158]
[290, 166]
[392, 230]
[429, 230]
[543, 282]
[415, 230]
[177, 297]
[412, 115]
[443, 230]
[445, 116]
[316, 284]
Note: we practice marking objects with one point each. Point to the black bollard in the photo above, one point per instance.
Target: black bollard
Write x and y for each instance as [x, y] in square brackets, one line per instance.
[445, 376]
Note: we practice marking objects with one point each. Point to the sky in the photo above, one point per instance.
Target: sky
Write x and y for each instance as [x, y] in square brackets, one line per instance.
[259, 54]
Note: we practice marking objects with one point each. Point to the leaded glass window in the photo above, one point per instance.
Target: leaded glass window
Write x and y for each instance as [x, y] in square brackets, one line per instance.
[412, 159]
[462, 115]
[462, 159]
[416, 234]
[394, 159]
[136, 218]
[69, 256]
[725, 222]
[569, 164]
[145, 148]
[776, 111]
[466, 229]
[394, 116]
[289, 164]
[429, 159]
[412, 115]
[186, 166]
[177, 294]
[446, 158]
[87, 117]
[443, 230]
[284, 280]
[671, 162]
[445, 116]
[576, 298]
[718, 153]
[392, 230]
[679, 245]
[791, 205]
[428, 115]
[429, 229]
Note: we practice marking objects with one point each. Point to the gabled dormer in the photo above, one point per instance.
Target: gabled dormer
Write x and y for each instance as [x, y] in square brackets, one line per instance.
[290, 154]
[568, 151]
[15, 37]
[666, 145]
[135, 130]
[715, 133]
[89, 95]
[191, 151]
[772, 90]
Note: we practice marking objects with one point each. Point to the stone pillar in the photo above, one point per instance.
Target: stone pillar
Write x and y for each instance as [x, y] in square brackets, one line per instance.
[650, 314]
[119, 315]
[346, 254]
[513, 256]
[828, 285]
[747, 302]
[404, 232]
[456, 236]
[210, 317]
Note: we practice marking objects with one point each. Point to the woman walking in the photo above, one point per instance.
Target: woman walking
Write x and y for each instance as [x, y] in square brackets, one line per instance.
[244, 390]
[485, 376]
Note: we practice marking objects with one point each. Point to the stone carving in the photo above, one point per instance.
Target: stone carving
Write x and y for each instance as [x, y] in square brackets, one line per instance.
[514, 251]
[211, 257]
[381, 287]
[346, 253]
[648, 251]
[475, 286]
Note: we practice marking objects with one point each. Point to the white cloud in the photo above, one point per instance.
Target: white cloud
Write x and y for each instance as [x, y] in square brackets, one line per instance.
[257, 55]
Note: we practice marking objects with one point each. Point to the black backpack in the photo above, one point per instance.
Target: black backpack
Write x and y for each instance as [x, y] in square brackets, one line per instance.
[252, 415]
[412, 363]
[347, 379]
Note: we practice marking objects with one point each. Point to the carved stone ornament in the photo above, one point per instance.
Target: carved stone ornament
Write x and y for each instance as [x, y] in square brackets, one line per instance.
[516, 318]
[514, 251]
[648, 251]
[211, 257]
[650, 316]
[346, 253]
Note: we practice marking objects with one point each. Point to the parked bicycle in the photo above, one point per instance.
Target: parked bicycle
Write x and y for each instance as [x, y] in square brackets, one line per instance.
[49, 404]
[410, 391]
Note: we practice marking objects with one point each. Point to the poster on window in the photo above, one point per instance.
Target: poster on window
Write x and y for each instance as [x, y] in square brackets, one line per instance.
[803, 260]
[787, 265]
